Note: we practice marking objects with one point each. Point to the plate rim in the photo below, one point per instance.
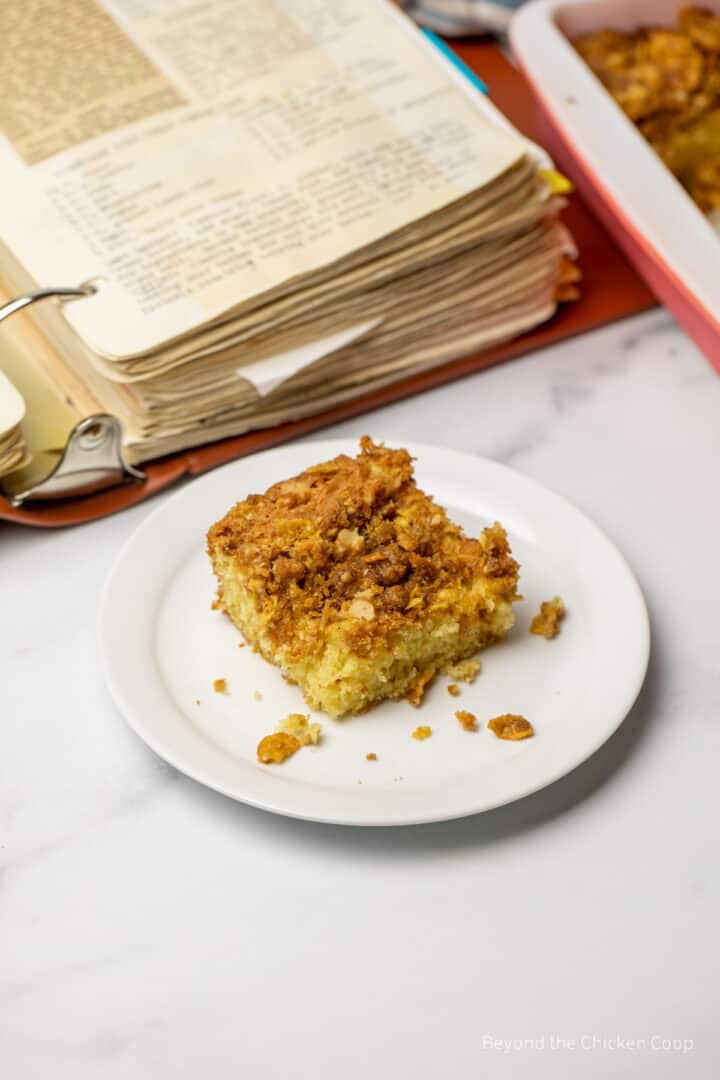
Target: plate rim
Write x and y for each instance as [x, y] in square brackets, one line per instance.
[326, 448]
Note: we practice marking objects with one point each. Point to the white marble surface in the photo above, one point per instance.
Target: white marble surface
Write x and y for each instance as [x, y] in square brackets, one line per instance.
[151, 930]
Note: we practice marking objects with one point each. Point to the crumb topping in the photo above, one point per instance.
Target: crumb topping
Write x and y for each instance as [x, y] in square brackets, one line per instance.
[371, 757]
[453, 689]
[547, 622]
[417, 691]
[276, 748]
[667, 81]
[355, 540]
[220, 686]
[422, 732]
[511, 726]
[467, 719]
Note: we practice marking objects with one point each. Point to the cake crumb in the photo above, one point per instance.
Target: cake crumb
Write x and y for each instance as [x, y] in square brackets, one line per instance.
[511, 726]
[290, 734]
[547, 622]
[220, 686]
[417, 691]
[276, 748]
[422, 732]
[371, 757]
[242, 644]
[453, 689]
[464, 670]
[197, 700]
[467, 719]
[257, 695]
[298, 725]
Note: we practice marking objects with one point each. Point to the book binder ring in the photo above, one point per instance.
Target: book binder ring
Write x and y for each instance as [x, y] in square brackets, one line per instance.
[93, 458]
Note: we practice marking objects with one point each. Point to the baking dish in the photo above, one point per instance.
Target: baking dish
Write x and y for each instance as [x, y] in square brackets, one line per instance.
[671, 243]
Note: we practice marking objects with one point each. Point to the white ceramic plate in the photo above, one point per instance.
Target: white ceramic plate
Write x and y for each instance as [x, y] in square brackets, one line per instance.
[162, 646]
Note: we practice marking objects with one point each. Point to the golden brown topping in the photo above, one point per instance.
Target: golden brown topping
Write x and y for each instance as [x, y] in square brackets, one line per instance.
[371, 757]
[467, 719]
[220, 686]
[454, 690]
[668, 82]
[510, 726]
[417, 691]
[702, 26]
[422, 732]
[677, 60]
[276, 748]
[355, 583]
[353, 541]
[606, 50]
[464, 670]
[547, 622]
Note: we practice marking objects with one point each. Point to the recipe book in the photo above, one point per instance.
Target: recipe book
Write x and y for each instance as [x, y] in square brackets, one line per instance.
[273, 205]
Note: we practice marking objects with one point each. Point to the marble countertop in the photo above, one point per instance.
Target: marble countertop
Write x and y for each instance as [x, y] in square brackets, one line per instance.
[152, 930]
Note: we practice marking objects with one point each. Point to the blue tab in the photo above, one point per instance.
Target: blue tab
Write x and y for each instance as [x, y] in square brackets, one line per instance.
[456, 61]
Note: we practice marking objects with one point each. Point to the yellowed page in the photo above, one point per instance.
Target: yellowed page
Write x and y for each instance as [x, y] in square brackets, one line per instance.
[212, 151]
[54, 397]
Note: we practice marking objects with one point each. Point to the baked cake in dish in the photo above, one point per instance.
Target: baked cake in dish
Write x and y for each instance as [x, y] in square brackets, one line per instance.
[356, 584]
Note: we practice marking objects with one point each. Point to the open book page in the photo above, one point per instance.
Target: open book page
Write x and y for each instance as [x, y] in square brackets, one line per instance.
[190, 156]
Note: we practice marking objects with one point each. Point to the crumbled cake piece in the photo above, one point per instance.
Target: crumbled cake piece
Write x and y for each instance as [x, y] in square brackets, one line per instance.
[467, 719]
[290, 734]
[464, 670]
[220, 686]
[547, 622]
[417, 691]
[454, 690]
[299, 725]
[422, 732]
[371, 757]
[356, 584]
[276, 748]
[257, 695]
[511, 726]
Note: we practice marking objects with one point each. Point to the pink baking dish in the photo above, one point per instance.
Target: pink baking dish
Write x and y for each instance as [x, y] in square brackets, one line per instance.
[670, 242]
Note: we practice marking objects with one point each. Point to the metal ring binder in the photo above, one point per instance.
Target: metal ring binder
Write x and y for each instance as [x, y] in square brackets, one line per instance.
[93, 458]
[60, 292]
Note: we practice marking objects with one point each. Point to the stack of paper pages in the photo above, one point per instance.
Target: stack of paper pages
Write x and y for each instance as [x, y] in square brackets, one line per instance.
[280, 204]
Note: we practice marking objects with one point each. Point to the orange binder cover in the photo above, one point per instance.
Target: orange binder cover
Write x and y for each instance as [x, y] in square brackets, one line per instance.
[610, 290]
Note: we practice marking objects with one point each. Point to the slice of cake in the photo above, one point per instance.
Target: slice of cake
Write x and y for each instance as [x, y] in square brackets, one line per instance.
[355, 583]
